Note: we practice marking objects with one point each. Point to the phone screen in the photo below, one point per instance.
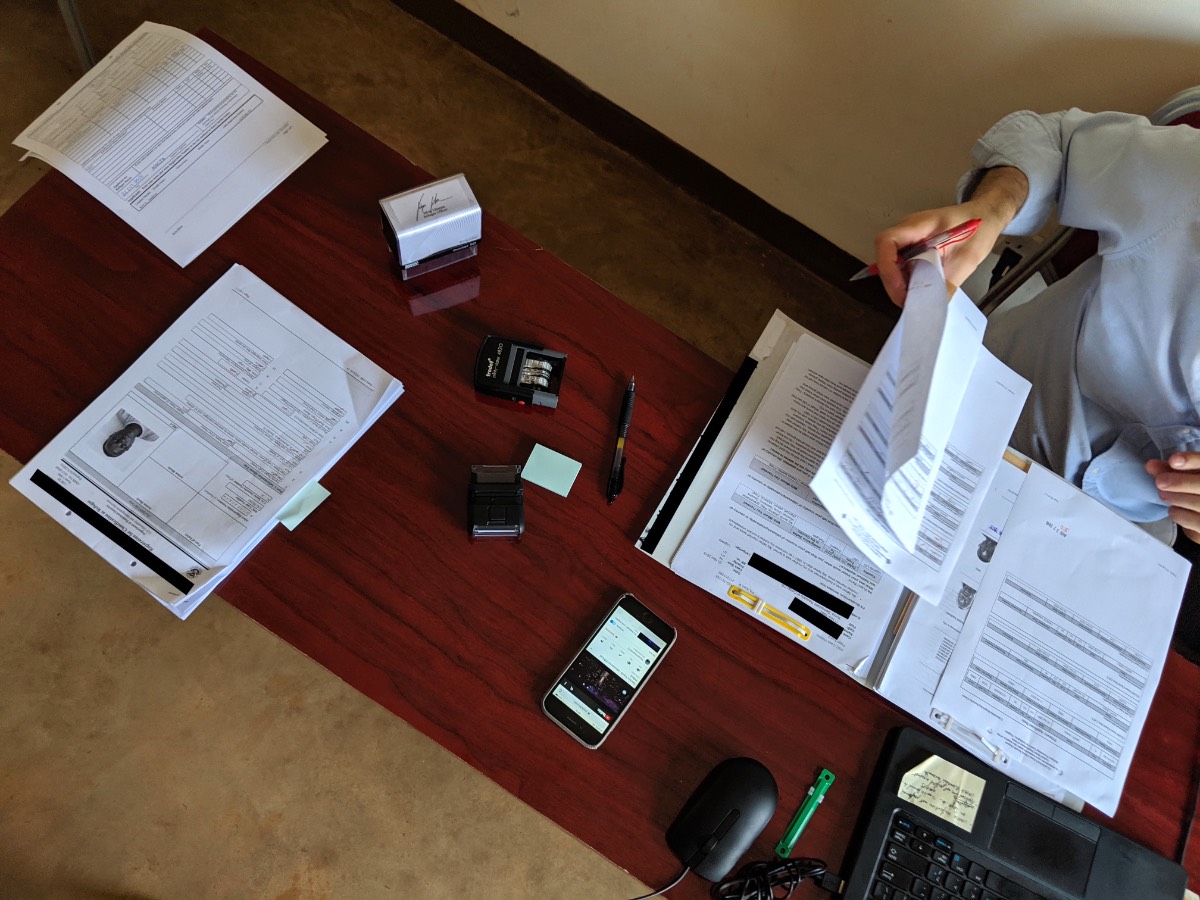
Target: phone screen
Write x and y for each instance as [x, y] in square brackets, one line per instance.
[604, 677]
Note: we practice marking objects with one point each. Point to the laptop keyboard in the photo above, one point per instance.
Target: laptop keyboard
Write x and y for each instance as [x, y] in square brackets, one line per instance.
[920, 864]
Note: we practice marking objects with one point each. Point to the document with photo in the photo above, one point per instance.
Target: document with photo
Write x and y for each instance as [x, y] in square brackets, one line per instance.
[1054, 668]
[173, 137]
[185, 463]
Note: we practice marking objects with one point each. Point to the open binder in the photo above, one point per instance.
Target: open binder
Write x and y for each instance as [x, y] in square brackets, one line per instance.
[1023, 666]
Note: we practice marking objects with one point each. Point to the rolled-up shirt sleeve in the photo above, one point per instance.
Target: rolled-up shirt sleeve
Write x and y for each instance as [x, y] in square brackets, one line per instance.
[1110, 172]
[1032, 143]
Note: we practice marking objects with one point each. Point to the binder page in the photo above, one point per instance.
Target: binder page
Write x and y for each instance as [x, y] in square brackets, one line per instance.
[930, 631]
[764, 536]
[672, 520]
[172, 137]
[1053, 669]
[854, 481]
[183, 464]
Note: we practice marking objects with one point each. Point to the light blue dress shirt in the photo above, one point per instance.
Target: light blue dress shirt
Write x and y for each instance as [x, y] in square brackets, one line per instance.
[1113, 349]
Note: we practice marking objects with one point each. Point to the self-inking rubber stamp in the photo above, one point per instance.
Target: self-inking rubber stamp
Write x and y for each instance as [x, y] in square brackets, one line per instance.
[432, 226]
[495, 503]
[523, 373]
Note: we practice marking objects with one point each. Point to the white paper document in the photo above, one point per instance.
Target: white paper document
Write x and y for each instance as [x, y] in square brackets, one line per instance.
[929, 633]
[183, 465]
[930, 630]
[915, 401]
[1057, 662]
[173, 137]
[765, 537]
[910, 467]
[1023, 649]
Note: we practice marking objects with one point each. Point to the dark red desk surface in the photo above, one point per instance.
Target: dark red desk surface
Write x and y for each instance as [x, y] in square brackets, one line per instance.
[381, 585]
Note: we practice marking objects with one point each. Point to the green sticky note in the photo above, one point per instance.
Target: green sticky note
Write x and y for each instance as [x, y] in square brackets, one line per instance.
[310, 497]
[551, 469]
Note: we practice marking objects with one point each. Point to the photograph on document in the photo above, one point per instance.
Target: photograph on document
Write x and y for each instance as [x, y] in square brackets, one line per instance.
[125, 436]
[182, 489]
[129, 431]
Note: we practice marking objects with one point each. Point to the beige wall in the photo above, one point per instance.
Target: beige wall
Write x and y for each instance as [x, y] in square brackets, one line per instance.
[846, 115]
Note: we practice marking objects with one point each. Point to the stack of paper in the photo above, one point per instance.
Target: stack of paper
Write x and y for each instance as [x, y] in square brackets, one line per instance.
[835, 494]
[185, 463]
[857, 482]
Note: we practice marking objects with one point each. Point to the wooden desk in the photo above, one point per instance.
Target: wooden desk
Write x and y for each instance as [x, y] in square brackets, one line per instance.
[381, 585]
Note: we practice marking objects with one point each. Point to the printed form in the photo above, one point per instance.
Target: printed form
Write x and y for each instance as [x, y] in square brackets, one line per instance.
[764, 541]
[183, 465]
[929, 634]
[909, 469]
[1065, 641]
[172, 137]
[930, 630]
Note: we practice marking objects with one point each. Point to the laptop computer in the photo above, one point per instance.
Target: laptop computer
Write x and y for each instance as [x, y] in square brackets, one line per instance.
[939, 824]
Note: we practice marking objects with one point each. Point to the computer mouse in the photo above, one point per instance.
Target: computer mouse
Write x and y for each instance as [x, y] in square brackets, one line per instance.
[726, 812]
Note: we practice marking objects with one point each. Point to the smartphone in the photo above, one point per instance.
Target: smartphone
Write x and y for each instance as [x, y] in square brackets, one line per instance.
[597, 686]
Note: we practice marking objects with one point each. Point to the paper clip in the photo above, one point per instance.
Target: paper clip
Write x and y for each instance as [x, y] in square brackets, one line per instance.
[801, 631]
[742, 596]
[946, 721]
[998, 754]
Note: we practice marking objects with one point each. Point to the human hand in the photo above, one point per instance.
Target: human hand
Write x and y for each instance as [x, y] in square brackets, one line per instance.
[997, 198]
[1178, 481]
[959, 259]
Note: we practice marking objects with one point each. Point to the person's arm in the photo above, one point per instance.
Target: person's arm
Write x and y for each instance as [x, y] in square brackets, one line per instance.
[1178, 481]
[995, 199]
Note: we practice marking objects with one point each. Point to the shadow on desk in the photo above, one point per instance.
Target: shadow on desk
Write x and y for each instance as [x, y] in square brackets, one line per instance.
[1187, 626]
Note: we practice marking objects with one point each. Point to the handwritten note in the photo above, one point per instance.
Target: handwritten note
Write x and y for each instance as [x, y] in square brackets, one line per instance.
[944, 789]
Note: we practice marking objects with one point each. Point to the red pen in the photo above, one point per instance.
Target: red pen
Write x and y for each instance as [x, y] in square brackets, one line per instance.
[955, 235]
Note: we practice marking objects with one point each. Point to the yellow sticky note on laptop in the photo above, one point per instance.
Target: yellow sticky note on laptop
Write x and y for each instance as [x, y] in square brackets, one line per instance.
[942, 788]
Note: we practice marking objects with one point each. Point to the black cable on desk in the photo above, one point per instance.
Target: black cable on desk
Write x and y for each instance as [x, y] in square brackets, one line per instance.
[678, 879]
[764, 879]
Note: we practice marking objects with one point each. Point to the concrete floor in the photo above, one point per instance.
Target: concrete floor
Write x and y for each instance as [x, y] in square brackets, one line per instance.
[144, 757]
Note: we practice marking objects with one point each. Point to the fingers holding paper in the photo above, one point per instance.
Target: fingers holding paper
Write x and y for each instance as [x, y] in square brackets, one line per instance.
[995, 200]
[959, 258]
